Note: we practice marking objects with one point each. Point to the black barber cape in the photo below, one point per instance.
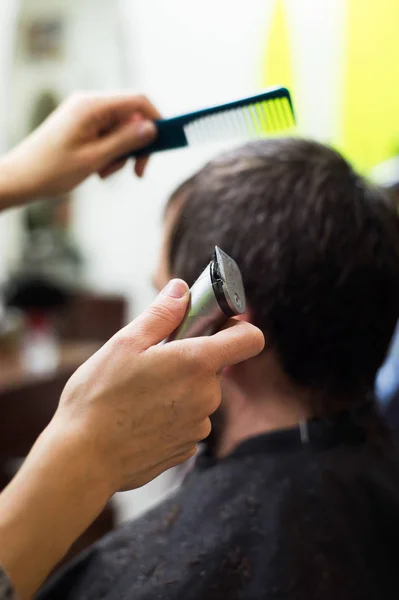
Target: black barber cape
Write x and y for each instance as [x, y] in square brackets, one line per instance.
[306, 513]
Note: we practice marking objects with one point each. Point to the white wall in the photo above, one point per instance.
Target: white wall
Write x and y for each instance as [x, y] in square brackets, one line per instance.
[91, 56]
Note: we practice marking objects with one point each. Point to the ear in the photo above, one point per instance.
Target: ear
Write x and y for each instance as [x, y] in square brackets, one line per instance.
[246, 316]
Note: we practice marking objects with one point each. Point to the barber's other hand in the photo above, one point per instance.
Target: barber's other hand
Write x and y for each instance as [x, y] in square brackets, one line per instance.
[138, 408]
[87, 134]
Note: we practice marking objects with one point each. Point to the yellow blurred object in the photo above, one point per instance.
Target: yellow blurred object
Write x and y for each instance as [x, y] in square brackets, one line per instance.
[370, 100]
[278, 67]
[365, 96]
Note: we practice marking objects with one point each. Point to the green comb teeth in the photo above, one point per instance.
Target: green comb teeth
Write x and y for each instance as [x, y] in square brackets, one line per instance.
[267, 113]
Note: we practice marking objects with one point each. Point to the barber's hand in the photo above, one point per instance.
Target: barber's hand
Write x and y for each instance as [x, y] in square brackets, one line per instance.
[87, 134]
[130, 412]
[141, 408]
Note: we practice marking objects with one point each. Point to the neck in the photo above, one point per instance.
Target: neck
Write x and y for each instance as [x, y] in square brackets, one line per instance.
[257, 398]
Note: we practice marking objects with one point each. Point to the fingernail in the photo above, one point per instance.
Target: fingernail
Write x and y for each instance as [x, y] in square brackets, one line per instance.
[145, 130]
[176, 288]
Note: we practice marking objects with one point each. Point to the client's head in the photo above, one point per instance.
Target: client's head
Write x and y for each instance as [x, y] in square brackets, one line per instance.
[318, 249]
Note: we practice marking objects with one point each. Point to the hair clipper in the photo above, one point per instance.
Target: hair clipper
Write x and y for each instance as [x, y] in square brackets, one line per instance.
[217, 295]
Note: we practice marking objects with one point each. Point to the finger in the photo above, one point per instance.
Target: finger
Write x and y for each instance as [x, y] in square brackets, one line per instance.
[137, 116]
[168, 463]
[140, 165]
[239, 341]
[141, 162]
[129, 136]
[121, 106]
[162, 317]
[112, 168]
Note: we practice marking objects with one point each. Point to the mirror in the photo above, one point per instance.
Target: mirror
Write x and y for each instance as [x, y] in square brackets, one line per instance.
[61, 46]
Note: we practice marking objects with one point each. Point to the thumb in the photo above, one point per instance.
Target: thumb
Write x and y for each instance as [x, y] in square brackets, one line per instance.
[129, 136]
[162, 317]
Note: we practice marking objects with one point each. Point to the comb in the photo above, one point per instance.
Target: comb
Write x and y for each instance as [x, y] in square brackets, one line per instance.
[267, 113]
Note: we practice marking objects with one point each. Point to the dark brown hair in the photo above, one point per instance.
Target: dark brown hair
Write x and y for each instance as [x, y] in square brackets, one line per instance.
[319, 252]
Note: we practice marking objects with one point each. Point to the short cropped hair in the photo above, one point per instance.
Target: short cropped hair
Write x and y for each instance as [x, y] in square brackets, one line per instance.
[318, 248]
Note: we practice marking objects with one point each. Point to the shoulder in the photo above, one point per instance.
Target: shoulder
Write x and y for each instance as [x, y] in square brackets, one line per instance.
[99, 567]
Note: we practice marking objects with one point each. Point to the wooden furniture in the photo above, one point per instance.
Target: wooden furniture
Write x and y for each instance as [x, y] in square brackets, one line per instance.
[92, 317]
[28, 401]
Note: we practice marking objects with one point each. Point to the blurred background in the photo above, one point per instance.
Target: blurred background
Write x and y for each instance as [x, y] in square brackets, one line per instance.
[96, 248]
